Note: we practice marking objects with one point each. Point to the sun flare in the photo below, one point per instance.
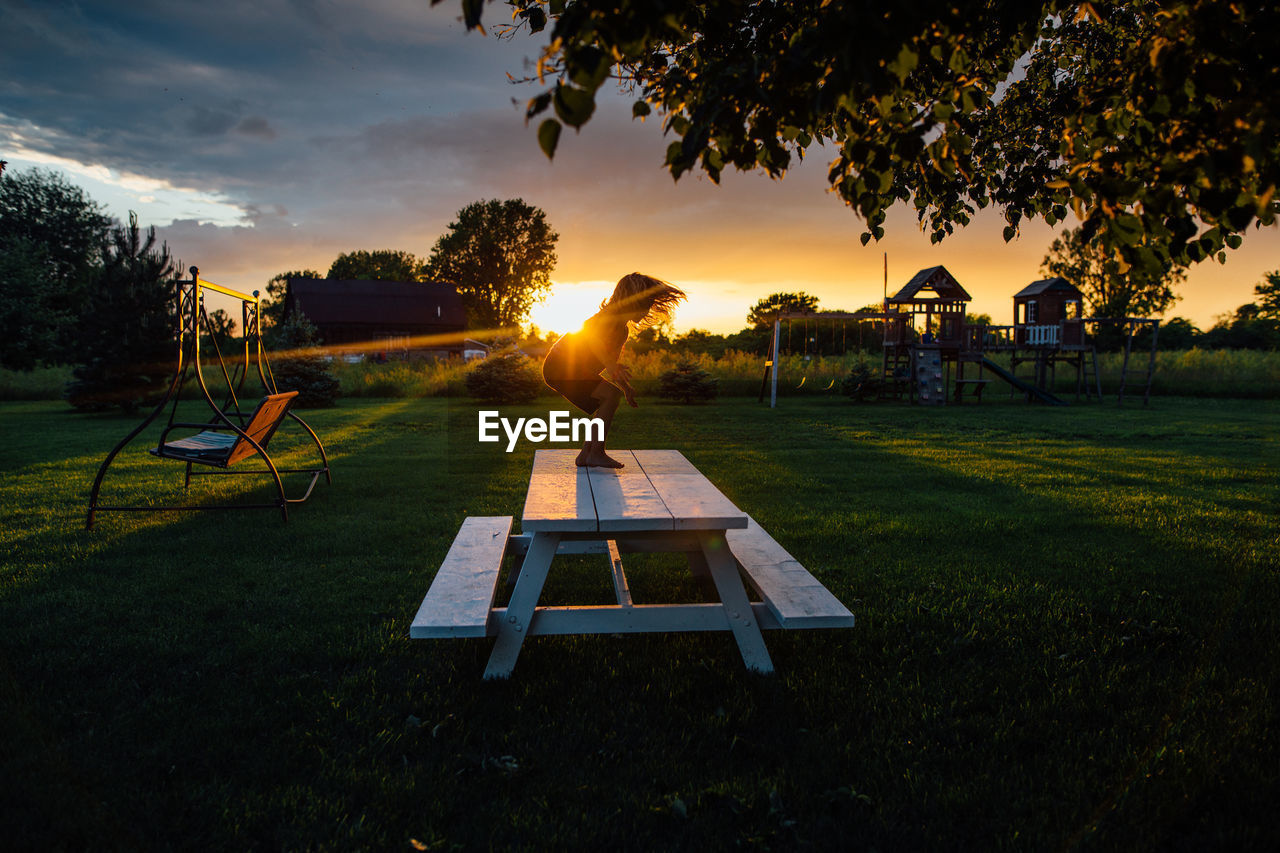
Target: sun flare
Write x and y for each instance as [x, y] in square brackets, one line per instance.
[569, 305]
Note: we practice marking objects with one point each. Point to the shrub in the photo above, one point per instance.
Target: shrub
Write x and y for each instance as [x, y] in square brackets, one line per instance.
[687, 383]
[302, 368]
[508, 378]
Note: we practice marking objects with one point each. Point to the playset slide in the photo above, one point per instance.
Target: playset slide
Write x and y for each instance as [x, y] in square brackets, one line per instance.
[1042, 396]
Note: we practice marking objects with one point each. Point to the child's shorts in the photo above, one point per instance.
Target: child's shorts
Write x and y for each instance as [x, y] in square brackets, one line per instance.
[577, 391]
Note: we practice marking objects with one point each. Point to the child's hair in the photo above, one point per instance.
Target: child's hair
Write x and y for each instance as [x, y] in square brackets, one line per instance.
[638, 291]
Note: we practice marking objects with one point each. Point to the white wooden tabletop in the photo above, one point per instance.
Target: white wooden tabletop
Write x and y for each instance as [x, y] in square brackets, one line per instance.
[656, 490]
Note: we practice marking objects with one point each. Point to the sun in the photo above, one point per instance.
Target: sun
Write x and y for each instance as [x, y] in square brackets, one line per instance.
[568, 305]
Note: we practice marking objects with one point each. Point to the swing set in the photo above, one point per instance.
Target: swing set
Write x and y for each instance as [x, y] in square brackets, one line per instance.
[229, 435]
[771, 366]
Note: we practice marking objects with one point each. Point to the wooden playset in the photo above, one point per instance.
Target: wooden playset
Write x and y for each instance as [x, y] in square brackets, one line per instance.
[931, 355]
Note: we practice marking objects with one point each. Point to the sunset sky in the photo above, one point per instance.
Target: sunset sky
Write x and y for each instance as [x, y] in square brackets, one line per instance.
[272, 135]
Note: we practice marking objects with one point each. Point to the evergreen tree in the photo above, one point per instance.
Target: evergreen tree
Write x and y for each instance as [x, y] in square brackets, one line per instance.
[687, 383]
[126, 342]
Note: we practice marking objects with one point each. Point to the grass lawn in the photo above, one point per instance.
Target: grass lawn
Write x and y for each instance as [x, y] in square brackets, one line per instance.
[1067, 638]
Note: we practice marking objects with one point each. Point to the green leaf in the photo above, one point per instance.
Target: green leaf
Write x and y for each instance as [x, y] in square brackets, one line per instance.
[640, 109]
[536, 105]
[471, 10]
[906, 62]
[574, 106]
[549, 137]
[1127, 228]
[536, 17]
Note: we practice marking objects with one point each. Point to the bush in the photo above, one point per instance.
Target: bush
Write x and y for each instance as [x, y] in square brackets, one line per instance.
[687, 383]
[303, 368]
[509, 378]
[861, 382]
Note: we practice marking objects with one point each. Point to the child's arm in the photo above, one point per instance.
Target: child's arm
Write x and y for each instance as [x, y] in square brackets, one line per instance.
[618, 373]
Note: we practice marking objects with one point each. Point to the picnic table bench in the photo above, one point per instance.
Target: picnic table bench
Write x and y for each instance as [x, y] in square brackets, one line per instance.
[659, 502]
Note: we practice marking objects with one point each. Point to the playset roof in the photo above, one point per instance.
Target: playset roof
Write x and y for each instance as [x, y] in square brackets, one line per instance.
[936, 279]
[1057, 284]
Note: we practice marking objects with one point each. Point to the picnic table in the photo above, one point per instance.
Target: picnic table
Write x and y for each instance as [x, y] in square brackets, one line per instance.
[658, 502]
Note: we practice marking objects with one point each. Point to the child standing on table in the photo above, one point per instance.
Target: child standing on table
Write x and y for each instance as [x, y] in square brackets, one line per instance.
[583, 366]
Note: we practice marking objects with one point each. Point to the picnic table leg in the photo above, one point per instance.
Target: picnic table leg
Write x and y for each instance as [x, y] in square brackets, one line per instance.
[724, 571]
[524, 599]
[701, 574]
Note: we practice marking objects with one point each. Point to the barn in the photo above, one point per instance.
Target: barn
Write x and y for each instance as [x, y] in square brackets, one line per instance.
[392, 319]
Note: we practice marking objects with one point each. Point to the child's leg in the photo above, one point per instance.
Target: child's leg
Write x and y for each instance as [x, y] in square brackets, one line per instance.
[593, 452]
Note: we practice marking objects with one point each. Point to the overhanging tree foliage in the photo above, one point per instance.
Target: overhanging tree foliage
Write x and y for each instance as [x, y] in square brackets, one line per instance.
[499, 255]
[1158, 124]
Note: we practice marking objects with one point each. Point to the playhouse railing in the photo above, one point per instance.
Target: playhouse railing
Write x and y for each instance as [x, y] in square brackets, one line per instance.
[1042, 336]
[981, 338]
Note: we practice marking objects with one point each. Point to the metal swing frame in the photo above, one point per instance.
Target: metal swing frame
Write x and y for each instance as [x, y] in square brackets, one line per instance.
[228, 418]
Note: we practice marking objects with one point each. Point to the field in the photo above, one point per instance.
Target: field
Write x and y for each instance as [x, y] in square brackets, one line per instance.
[1066, 639]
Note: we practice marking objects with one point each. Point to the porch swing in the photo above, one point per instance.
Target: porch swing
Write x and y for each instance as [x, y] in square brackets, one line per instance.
[230, 435]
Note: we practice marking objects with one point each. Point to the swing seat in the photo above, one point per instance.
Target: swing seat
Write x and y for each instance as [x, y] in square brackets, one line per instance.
[223, 446]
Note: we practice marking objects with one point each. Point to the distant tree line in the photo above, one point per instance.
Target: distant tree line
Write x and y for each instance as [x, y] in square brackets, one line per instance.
[497, 254]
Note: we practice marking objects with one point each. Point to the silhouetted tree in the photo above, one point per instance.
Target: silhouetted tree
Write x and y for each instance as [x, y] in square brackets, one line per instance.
[763, 312]
[221, 327]
[380, 265]
[499, 254]
[1110, 290]
[51, 235]
[273, 299]
[1268, 293]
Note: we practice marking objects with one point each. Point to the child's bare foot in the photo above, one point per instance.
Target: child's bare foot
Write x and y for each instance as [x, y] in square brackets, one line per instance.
[597, 459]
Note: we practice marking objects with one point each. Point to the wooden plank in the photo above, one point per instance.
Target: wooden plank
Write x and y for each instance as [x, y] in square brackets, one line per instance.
[795, 597]
[637, 619]
[628, 543]
[461, 595]
[559, 498]
[620, 587]
[664, 462]
[625, 499]
[694, 502]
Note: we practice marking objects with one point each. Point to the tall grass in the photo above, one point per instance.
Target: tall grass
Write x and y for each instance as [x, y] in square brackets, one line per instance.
[1188, 373]
[45, 383]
